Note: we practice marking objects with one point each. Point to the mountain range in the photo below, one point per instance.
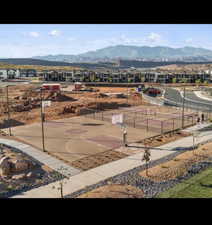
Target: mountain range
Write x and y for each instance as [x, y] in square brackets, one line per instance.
[134, 52]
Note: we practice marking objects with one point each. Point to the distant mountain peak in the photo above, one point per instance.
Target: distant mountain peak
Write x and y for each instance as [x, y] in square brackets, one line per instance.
[131, 52]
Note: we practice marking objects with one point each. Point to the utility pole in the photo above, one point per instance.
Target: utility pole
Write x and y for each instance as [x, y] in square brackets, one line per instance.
[42, 117]
[183, 107]
[127, 87]
[8, 111]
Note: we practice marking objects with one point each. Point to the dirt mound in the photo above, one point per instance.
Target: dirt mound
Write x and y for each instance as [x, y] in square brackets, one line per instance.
[114, 191]
[63, 98]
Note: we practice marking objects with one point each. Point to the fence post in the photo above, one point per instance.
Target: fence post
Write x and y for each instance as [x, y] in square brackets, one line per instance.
[94, 114]
[173, 125]
[161, 127]
[134, 122]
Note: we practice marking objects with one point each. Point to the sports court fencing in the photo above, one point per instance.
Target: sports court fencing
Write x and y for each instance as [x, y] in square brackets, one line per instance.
[147, 119]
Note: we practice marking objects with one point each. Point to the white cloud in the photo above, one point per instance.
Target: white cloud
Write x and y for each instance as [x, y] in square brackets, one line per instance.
[71, 39]
[189, 40]
[34, 34]
[153, 37]
[31, 34]
[55, 33]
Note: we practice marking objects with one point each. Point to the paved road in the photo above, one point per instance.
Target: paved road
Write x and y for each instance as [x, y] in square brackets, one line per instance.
[191, 100]
[191, 95]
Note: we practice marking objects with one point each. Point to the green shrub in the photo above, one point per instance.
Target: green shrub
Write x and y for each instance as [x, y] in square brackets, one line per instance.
[176, 160]
[164, 166]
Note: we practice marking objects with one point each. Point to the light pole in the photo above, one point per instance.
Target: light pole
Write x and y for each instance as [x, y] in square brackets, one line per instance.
[183, 107]
[42, 117]
[8, 111]
[127, 87]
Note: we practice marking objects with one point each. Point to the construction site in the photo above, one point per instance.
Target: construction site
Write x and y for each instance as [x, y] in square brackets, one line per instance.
[77, 123]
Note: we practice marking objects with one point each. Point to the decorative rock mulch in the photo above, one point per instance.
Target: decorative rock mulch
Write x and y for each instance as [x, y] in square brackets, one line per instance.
[149, 187]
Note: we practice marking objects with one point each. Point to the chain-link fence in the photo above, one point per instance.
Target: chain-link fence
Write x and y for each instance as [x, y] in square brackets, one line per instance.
[146, 119]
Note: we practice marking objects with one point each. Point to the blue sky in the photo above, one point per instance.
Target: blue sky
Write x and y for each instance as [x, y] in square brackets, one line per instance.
[27, 40]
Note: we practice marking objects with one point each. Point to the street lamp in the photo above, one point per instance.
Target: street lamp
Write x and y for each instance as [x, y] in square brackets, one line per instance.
[8, 111]
[42, 117]
[183, 107]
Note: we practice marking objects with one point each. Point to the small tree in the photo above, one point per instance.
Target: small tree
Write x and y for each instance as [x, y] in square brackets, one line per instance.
[59, 176]
[185, 80]
[174, 80]
[146, 158]
[198, 82]
[206, 82]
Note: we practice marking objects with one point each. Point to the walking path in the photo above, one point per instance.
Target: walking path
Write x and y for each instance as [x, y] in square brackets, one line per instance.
[42, 157]
[95, 175]
[197, 127]
[200, 95]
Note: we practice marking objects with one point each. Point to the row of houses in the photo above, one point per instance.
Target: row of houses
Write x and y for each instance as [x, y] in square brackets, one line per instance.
[125, 77]
[107, 76]
[17, 73]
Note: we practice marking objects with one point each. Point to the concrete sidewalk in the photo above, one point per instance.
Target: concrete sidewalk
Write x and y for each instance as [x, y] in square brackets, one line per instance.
[197, 127]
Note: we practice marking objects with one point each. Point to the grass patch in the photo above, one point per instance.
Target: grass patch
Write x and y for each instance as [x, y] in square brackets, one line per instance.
[199, 186]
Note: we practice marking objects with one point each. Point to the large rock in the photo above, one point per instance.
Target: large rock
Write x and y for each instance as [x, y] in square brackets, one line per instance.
[21, 165]
[19, 176]
[31, 175]
[5, 167]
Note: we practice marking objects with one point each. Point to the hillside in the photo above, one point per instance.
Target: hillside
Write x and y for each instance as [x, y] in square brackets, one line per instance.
[30, 61]
[37, 67]
[134, 52]
[35, 63]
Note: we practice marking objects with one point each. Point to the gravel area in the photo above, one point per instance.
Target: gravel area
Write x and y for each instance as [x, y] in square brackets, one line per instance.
[149, 187]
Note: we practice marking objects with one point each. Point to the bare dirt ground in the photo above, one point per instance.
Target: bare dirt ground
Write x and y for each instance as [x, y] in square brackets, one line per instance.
[113, 89]
[179, 165]
[189, 67]
[99, 159]
[114, 191]
[164, 139]
[67, 105]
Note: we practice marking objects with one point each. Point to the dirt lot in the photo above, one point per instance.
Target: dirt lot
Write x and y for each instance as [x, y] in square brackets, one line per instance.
[114, 191]
[66, 105]
[179, 165]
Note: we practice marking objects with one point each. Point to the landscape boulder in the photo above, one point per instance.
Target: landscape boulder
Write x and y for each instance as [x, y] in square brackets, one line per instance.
[19, 176]
[21, 165]
[31, 175]
[5, 167]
